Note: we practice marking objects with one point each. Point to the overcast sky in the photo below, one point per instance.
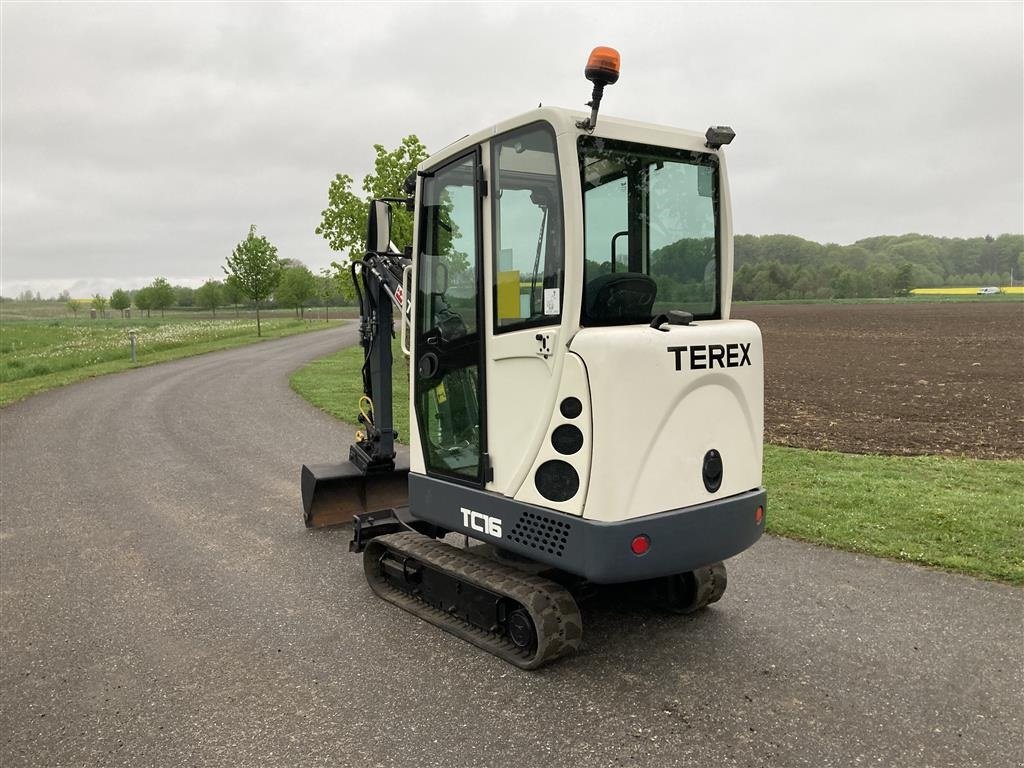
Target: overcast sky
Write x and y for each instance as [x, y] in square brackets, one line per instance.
[143, 139]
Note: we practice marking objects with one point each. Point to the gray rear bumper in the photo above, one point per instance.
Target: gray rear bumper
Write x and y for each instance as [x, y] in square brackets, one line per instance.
[681, 539]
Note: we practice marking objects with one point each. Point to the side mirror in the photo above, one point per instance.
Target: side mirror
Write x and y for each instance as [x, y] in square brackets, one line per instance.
[378, 230]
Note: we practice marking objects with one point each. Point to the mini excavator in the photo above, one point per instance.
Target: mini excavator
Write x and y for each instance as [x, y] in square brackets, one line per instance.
[583, 409]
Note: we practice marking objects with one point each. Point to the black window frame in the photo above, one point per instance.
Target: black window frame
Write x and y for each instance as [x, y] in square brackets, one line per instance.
[483, 473]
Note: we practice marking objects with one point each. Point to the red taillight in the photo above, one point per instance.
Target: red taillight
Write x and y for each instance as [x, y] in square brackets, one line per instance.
[759, 515]
[640, 545]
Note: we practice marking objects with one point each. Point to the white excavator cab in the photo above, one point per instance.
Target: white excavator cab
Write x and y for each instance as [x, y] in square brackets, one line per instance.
[571, 341]
[580, 399]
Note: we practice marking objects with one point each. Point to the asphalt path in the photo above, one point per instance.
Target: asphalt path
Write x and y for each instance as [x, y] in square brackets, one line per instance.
[162, 605]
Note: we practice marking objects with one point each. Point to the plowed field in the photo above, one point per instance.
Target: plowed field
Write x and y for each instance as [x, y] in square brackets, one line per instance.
[942, 378]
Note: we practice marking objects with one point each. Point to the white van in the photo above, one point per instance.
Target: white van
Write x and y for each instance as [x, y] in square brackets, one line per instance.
[987, 291]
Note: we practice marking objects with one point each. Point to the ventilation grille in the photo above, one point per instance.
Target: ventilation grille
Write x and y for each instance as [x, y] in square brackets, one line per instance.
[541, 533]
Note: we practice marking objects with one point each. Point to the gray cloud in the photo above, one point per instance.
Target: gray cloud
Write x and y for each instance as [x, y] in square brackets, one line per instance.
[143, 139]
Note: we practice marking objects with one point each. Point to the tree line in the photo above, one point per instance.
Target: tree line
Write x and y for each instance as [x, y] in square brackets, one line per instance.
[255, 278]
[789, 267]
[766, 267]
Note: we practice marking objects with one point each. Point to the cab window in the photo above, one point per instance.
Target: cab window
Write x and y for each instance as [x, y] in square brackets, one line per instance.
[529, 254]
[651, 231]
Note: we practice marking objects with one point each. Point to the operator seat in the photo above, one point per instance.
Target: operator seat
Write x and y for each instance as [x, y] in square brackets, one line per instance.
[620, 298]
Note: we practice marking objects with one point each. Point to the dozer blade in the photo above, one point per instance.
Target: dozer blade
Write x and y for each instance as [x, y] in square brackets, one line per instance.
[333, 493]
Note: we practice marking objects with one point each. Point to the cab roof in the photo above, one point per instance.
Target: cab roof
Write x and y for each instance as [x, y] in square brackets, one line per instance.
[564, 121]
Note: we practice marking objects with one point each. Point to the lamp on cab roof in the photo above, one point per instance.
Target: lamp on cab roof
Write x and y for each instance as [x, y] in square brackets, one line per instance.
[602, 69]
[719, 135]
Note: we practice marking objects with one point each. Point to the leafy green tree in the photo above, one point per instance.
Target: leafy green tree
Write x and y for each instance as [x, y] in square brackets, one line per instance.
[232, 293]
[297, 286]
[254, 264]
[144, 299]
[210, 295]
[72, 306]
[120, 300]
[843, 284]
[163, 295]
[99, 303]
[327, 287]
[184, 296]
[344, 221]
[904, 279]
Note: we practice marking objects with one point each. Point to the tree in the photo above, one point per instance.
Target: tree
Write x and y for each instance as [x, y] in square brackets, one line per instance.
[210, 295]
[254, 264]
[297, 286]
[99, 303]
[326, 287]
[232, 293]
[163, 295]
[343, 223]
[144, 299]
[120, 300]
[904, 279]
[184, 296]
[72, 306]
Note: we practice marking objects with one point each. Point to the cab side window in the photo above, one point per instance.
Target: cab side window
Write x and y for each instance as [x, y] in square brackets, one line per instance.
[527, 215]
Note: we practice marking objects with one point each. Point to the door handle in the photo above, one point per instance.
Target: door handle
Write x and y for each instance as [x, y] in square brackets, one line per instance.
[545, 344]
[428, 366]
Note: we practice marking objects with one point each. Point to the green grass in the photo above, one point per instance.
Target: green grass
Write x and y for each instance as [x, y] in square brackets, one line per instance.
[964, 515]
[44, 354]
[335, 384]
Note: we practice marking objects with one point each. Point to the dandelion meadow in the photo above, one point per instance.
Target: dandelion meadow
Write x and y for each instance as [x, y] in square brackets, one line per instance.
[35, 356]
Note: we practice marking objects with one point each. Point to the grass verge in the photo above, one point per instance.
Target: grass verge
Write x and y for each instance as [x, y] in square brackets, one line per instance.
[335, 384]
[37, 357]
[959, 514]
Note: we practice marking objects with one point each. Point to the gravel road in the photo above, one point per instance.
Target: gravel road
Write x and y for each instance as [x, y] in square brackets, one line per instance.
[162, 605]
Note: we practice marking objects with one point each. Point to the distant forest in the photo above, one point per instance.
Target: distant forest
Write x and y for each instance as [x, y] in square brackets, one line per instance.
[766, 267]
[789, 267]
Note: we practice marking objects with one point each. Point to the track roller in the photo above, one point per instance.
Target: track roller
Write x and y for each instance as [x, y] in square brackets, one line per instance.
[522, 618]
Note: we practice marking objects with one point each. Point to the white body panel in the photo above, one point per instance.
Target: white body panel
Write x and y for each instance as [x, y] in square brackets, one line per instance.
[519, 381]
[653, 424]
[573, 384]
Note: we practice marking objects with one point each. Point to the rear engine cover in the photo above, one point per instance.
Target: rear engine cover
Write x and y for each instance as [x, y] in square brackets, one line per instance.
[678, 415]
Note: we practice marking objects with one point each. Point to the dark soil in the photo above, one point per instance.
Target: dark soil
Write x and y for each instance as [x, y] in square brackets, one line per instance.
[929, 378]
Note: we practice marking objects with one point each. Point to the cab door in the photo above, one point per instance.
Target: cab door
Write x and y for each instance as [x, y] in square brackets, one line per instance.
[527, 289]
[447, 369]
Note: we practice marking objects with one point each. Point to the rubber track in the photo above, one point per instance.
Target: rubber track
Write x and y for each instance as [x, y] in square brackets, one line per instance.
[711, 583]
[552, 608]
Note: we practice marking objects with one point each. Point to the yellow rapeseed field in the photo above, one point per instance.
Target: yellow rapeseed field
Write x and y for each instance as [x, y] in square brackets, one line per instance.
[1017, 289]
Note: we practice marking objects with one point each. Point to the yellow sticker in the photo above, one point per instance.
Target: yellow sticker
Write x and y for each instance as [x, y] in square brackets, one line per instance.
[442, 396]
